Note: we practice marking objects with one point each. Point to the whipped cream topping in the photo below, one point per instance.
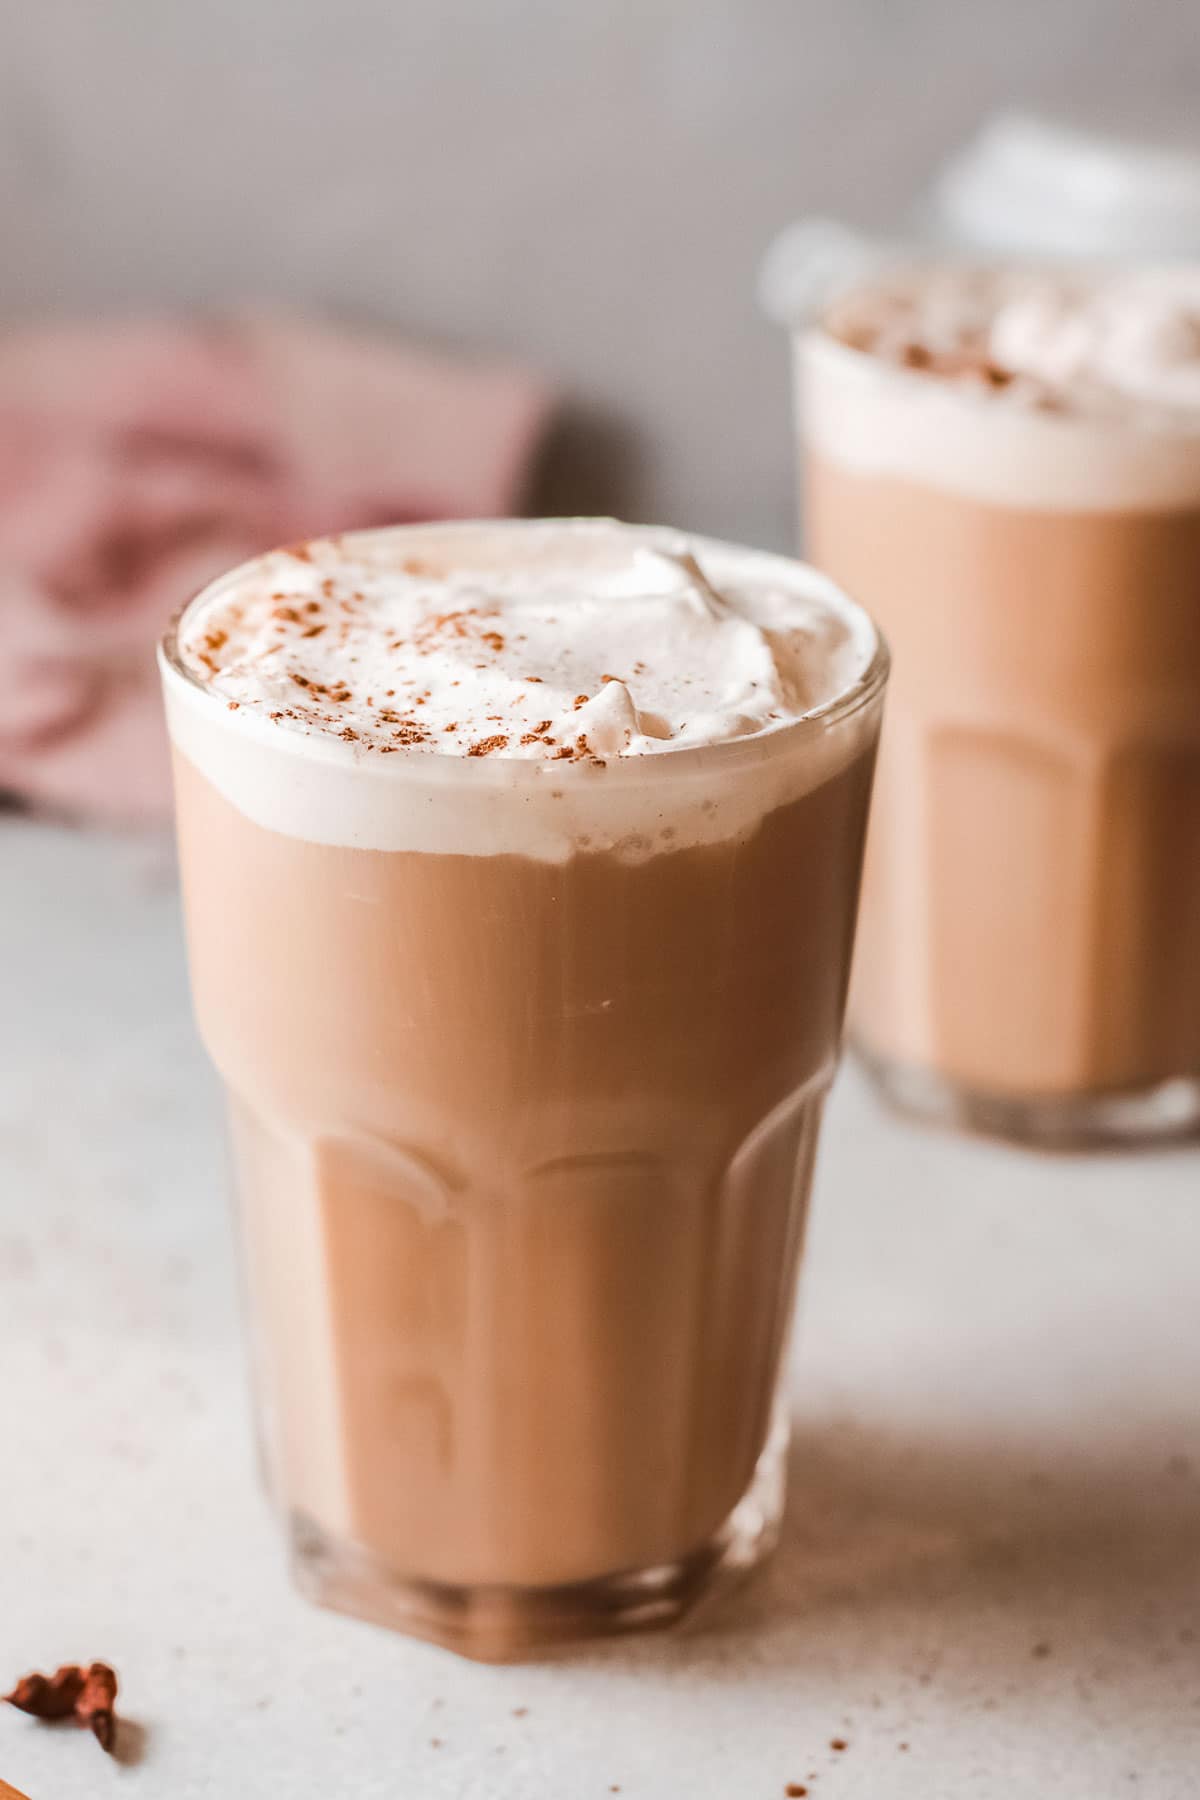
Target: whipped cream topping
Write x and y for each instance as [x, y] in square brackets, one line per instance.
[1052, 391]
[546, 643]
[1097, 344]
[530, 688]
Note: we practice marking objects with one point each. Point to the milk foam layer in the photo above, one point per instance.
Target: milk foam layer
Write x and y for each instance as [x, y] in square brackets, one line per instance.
[533, 687]
[1044, 390]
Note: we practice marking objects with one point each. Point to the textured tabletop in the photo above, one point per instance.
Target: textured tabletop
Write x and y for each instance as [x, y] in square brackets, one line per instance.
[989, 1583]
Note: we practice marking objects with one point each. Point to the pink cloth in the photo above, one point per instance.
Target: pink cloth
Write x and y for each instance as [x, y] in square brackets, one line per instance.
[138, 459]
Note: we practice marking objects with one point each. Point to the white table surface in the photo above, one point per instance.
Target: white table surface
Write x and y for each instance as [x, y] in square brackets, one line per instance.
[989, 1584]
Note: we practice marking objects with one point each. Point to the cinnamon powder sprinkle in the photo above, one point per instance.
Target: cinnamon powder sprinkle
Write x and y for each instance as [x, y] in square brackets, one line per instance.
[581, 700]
[485, 746]
[440, 626]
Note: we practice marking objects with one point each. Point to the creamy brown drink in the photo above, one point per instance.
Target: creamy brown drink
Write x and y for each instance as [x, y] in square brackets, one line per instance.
[520, 866]
[1006, 468]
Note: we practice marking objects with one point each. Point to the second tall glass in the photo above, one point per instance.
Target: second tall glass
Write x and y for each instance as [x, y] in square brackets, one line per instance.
[1028, 958]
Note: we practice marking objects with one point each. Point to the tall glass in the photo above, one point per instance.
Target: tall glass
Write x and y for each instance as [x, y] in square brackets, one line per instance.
[1029, 949]
[524, 1130]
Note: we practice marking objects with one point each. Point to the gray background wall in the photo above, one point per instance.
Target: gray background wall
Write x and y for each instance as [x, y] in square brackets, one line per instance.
[588, 183]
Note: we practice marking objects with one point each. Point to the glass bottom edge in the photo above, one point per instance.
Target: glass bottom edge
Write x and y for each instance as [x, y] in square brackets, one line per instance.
[1162, 1112]
[501, 1624]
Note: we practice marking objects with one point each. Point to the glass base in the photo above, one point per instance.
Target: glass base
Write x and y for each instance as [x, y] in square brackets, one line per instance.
[514, 1624]
[1112, 1118]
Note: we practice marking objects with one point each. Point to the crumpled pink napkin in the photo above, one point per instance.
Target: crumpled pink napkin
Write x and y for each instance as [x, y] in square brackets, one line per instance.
[140, 458]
